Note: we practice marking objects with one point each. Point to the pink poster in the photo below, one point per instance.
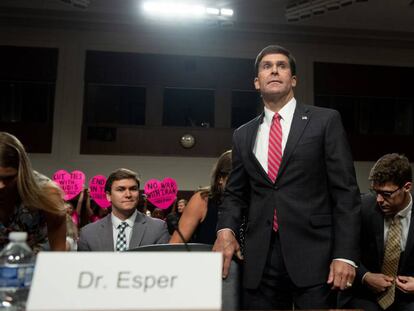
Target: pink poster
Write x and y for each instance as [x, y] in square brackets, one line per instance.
[97, 191]
[71, 183]
[161, 193]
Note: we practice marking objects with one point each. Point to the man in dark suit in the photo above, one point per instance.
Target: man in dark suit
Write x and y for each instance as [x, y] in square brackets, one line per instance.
[125, 228]
[390, 201]
[293, 173]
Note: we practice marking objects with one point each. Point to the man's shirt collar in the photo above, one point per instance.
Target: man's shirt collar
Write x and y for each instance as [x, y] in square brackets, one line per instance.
[286, 112]
[130, 221]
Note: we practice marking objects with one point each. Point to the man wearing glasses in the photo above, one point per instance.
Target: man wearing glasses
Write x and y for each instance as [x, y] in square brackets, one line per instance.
[385, 277]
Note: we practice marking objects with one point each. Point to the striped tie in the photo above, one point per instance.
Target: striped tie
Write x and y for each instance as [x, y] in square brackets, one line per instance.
[391, 260]
[274, 156]
[121, 242]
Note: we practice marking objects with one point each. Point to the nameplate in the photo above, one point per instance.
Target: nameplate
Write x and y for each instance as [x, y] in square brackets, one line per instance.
[126, 281]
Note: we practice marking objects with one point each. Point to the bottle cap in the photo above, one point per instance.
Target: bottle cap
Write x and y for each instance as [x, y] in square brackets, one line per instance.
[18, 236]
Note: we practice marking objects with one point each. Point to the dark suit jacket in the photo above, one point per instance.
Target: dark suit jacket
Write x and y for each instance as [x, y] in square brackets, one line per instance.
[98, 236]
[315, 194]
[372, 247]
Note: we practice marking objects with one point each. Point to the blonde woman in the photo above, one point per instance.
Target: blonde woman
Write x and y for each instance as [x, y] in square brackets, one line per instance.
[29, 201]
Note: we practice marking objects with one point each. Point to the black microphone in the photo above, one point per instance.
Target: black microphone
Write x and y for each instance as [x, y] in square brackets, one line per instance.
[172, 224]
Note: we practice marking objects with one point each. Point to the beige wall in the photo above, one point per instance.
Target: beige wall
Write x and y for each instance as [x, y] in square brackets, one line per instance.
[189, 172]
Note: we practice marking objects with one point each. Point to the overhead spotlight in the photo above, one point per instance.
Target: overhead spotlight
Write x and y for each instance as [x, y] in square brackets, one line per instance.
[173, 9]
[213, 11]
[176, 9]
[226, 12]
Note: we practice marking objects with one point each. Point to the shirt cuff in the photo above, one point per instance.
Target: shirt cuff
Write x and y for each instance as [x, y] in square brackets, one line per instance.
[226, 229]
[350, 262]
[363, 278]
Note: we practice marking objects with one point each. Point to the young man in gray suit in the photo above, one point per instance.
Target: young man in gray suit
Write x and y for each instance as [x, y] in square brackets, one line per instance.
[125, 228]
[294, 176]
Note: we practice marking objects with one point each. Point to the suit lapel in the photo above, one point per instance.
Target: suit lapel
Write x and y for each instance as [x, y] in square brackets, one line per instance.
[410, 240]
[107, 241]
[378, 229]
[300, 119]
[251, 139]
[138, 231]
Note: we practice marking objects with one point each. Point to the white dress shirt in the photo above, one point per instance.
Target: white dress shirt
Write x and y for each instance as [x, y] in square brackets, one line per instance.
[128, 230]
[261, 145]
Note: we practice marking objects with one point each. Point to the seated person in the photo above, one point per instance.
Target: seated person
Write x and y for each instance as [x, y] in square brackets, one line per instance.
[200, 215]
[181, 204]
[125, 228]
[71, 230]
[385, 276]
[158, 213]
[29, 201]
[88, 210]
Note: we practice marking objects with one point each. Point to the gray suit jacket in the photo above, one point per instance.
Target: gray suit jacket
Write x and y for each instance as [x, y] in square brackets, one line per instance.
[98, 236]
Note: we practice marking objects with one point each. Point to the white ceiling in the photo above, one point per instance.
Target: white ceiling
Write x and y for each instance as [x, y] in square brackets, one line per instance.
[386, 17]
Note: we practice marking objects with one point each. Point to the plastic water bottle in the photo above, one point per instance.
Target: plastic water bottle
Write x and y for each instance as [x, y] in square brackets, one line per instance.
[16, 270]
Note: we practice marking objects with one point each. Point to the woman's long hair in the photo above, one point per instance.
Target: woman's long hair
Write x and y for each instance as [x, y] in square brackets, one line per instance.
[47, 197]
[221, 170]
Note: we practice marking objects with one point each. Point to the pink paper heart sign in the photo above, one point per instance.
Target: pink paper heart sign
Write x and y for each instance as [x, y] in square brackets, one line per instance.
[161, 193]
[97, 191]
[70, 183]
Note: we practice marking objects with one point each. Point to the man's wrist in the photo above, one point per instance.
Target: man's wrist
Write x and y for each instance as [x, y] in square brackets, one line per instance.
[350, 262]
[226, 229]
[364, 277]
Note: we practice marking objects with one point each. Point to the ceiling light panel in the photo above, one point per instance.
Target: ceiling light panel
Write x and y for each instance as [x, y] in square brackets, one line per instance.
[184, 9]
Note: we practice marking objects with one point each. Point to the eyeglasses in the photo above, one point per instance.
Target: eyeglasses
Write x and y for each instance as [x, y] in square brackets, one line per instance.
[384, 194]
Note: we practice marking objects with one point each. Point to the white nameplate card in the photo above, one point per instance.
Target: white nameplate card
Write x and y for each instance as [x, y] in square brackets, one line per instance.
[126, 281]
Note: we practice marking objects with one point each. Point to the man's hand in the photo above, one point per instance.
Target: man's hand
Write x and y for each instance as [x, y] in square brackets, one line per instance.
[227, 244]
[405, 284]
[378, 282]
[341, 274]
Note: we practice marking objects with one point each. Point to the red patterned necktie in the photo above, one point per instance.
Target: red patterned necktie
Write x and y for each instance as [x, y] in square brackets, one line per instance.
[274, 156]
